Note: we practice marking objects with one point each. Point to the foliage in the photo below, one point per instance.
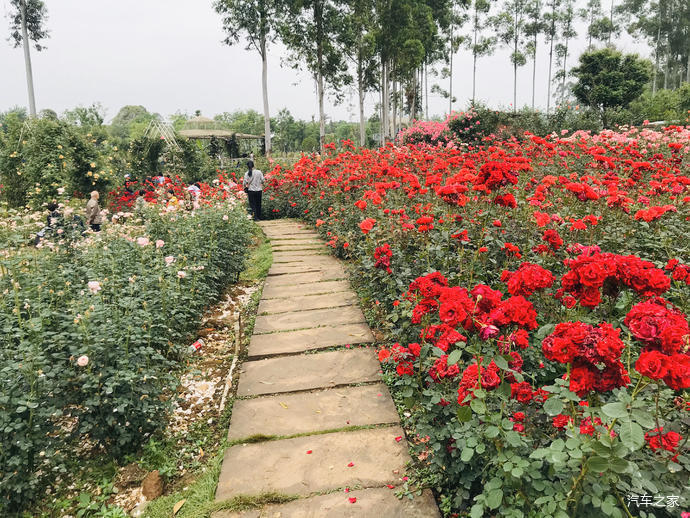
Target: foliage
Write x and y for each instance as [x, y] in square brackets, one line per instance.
[40, 156]
[520, 283]
[607, 79]
[92, 332]
[36, 14]
[131, 121]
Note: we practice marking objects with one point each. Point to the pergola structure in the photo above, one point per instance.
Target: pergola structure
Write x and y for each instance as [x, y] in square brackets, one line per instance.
[203, 128]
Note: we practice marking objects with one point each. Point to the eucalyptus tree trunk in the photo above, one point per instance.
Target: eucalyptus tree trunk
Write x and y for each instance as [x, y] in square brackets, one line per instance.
[474, 52]
[264, 88]
[318, 18]
[426, 90]
[385, 102]
[27, 60]
[395, 110]
[515, 67]
[534, 69]
[656, 59]
[552, 35]
[360, 88]
[450, 91]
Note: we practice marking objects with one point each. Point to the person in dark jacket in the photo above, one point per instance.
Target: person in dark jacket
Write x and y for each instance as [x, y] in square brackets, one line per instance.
[253, 184]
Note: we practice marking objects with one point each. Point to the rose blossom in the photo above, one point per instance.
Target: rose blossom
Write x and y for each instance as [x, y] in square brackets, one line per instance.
[160, 243]
[169, 260]
[143, 241]
[83, 361]
[94, 286]
[181, 274]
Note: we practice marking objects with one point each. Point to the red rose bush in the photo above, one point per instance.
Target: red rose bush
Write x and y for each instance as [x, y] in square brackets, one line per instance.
[535, 295]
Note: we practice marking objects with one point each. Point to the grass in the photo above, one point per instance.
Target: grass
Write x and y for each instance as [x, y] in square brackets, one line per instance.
[200, 497]
[260, 260]
[199, 494]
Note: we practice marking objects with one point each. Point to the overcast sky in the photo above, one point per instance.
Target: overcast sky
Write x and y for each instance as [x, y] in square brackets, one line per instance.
[167, 55]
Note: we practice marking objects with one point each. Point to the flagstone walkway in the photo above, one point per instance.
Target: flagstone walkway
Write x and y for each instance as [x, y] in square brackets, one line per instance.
[336, 420]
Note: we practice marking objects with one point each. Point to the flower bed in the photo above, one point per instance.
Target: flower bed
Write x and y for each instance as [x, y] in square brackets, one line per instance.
[536, 293]
[92, 330]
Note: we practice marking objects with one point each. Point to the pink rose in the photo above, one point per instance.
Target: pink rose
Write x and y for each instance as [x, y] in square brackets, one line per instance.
[160, 243]
[83, 361]
[169, 260]
[94, 286]
[143, 241]
[181, 274]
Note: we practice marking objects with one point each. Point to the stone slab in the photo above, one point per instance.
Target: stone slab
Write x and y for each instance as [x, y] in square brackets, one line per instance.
[371, 503]
[301, 234]
[308, 372]
[305, 319]
[311, 260]
[302, 267]
[289, 414]
[292, 255]
[326, 274]
[277, 245]
[303, 340]
[285, 467]
[303, 248]
[271, 291]
[331, 300]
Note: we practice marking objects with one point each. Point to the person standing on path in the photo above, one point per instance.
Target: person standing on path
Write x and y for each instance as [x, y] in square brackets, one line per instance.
[253, 184]
[93, 212]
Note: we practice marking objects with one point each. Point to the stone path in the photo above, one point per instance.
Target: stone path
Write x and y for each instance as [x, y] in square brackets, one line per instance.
[324, 420]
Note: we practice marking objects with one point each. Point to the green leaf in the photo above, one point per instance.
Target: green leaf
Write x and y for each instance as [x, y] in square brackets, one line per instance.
[632, 435]
[478, 406]
[553, 406]
[598, 464]
[501, 362]
[464, 414]
[454, 357]
[477, 511]
[467, 454]
[494, 498]
[615, 410]
[643, 417]
[513, 438]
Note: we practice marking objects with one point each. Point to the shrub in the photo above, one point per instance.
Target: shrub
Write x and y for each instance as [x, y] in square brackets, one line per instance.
[521, 286]
[93, 331]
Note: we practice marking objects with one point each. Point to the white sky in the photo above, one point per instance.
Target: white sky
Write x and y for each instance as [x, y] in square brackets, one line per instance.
[167, 55]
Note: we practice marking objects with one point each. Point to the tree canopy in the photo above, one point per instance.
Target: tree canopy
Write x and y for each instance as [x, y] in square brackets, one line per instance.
[608, 79]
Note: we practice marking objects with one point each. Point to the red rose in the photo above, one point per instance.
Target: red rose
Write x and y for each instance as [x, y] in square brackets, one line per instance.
[652, 364]
[583, 379]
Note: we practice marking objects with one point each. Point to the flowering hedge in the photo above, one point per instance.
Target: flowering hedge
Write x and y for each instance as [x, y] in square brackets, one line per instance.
[536, 292]
[92, 330]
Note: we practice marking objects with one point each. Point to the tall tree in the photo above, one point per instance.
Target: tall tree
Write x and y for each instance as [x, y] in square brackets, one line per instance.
[256, 20]
[359, 44]
[27, 21]
[510, 26]
[479, 44]
[534, 26]
[568, 32]
[309, 32]
[551, 19]
[456, 19]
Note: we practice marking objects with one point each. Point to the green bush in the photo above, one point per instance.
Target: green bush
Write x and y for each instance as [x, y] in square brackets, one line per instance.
[40, 156]
[115, 300]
